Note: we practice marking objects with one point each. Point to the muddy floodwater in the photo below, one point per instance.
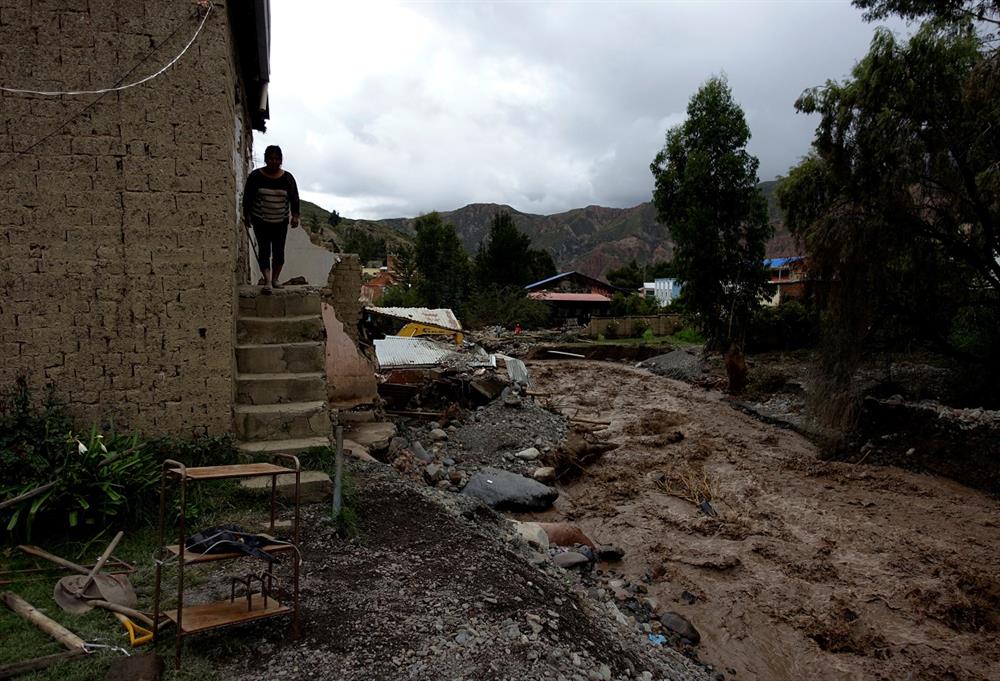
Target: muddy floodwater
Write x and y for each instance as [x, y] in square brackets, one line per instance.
[812, 569]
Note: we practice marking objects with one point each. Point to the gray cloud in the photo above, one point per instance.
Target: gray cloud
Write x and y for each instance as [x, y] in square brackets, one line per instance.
[390, 110]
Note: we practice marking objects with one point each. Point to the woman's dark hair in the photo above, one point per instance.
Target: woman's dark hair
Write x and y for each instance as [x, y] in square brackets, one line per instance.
[273, 149]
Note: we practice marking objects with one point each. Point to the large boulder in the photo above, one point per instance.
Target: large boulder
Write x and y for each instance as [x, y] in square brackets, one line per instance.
[503, 490]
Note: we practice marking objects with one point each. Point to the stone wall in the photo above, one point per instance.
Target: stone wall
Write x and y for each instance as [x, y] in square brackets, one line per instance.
[626, 327]
[119, 232]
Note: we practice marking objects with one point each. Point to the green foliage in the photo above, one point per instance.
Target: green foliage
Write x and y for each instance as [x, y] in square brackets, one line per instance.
[506, 307]
[368, 246]
[899, 203]
[506, 258]
[441, 263]
[648, 335]
[102, 477]
[689, 335]
[706, 191]
[400, 296]
[788, 326]
[333, 219]
[945, 11]
[633, 305]
[632, 276]
[628, 276]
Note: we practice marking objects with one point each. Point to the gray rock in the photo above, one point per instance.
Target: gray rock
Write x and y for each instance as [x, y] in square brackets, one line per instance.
[509, 491]
[421, 453]
[610, 552]
[544, 474]
[680, 626]
[570, 559]
[529, 454]
[433, 472]
[437, 435]
[396, 446]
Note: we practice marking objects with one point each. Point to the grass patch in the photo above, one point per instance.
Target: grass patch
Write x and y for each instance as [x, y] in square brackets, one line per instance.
[223, 502]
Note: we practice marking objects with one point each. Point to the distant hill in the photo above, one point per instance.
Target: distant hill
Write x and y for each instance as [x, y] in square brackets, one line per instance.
[591, 240]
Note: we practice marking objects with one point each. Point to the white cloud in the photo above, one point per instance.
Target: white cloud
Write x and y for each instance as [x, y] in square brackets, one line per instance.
[386, 109]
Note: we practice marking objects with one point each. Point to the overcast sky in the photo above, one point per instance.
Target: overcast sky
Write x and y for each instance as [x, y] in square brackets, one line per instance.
[392, 110]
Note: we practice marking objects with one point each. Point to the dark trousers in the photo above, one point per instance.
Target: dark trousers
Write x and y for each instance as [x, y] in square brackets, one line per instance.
[270, 243]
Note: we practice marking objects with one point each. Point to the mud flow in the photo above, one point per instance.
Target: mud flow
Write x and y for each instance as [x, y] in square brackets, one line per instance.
[811, 569]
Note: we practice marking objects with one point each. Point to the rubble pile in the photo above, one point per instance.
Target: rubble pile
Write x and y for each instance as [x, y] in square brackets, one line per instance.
[513, 433]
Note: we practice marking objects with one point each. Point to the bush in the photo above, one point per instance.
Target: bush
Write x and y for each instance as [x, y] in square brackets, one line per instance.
[640, 327]
[507, 307]
[788, 326]
[99, 478]
[400, 296]
[689, 335]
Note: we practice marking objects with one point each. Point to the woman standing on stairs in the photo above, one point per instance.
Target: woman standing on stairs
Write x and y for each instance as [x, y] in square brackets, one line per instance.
[269, 197]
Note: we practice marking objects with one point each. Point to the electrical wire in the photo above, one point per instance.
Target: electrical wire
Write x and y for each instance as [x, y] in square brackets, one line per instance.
[7, 166]
[118, 88]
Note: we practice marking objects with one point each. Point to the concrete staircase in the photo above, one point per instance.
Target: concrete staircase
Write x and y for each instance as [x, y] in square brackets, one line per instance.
[281, 396]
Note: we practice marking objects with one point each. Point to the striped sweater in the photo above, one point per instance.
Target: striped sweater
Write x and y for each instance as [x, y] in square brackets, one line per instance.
[267, 199]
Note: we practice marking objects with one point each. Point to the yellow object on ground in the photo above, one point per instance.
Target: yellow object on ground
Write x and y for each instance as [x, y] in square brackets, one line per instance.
[416, 329]
[137, 635]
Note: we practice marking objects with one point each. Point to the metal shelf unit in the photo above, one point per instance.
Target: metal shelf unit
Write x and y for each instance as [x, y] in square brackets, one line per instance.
[192, 619]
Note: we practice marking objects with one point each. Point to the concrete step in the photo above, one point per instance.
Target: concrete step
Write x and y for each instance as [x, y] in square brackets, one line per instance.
[279, 388]
[280, 329]
[281, 357]
[294, 446]
[314, 486]
[374, 436]
[282, 421]
[291, 301]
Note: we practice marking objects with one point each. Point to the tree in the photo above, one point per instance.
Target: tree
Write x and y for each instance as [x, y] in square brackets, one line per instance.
[506, 258]
[628, 276]
[899, 202]
[333, 218]
[441, 262]
[706, 191]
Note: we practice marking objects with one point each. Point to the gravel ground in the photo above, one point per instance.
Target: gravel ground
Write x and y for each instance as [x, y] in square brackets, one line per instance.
[435, 586]
[491, 436]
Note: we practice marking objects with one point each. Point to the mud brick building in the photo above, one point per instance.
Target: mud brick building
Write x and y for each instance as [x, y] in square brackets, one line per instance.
[120, 236]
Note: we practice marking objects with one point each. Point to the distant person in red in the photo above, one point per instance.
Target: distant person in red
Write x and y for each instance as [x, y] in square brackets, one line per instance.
[517, 329]
[270, 198]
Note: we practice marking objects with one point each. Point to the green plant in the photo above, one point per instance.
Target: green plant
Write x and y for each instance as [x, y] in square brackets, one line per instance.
[648, 335]
[689, 335]
[94, 480]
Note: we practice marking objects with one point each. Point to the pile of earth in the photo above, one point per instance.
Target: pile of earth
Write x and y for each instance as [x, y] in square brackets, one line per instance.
[437, 586]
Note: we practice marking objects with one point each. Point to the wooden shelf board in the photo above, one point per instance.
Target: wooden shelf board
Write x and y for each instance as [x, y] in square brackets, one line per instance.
[190, 558]
[223, 613]
[243, 470]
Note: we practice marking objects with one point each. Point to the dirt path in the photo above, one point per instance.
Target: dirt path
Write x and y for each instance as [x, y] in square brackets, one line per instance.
[813, 569]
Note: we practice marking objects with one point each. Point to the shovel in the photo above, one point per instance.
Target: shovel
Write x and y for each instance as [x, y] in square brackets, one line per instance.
[73, 593]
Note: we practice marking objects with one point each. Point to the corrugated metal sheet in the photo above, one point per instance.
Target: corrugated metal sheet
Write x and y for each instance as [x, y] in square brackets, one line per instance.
[441, 316]
[397, 351]
[569, 297]
[516, 369]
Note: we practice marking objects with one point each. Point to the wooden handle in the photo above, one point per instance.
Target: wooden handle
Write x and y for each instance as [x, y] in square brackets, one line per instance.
[57, 631]
[39, 553]
[122, 610]
[99, 564]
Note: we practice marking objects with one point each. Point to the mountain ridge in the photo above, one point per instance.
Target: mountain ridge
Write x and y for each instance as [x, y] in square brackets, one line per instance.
[592, 239]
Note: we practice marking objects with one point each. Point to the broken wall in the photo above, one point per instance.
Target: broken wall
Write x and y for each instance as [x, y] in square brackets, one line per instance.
[119, 214]
[350, 376]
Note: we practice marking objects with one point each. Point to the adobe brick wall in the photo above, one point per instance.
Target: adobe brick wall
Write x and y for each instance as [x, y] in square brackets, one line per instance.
[119, 236]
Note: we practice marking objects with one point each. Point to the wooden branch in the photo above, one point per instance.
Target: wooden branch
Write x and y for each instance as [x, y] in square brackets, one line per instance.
[28, 612]
[39, 553]
[31, 494]
[8, 671]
